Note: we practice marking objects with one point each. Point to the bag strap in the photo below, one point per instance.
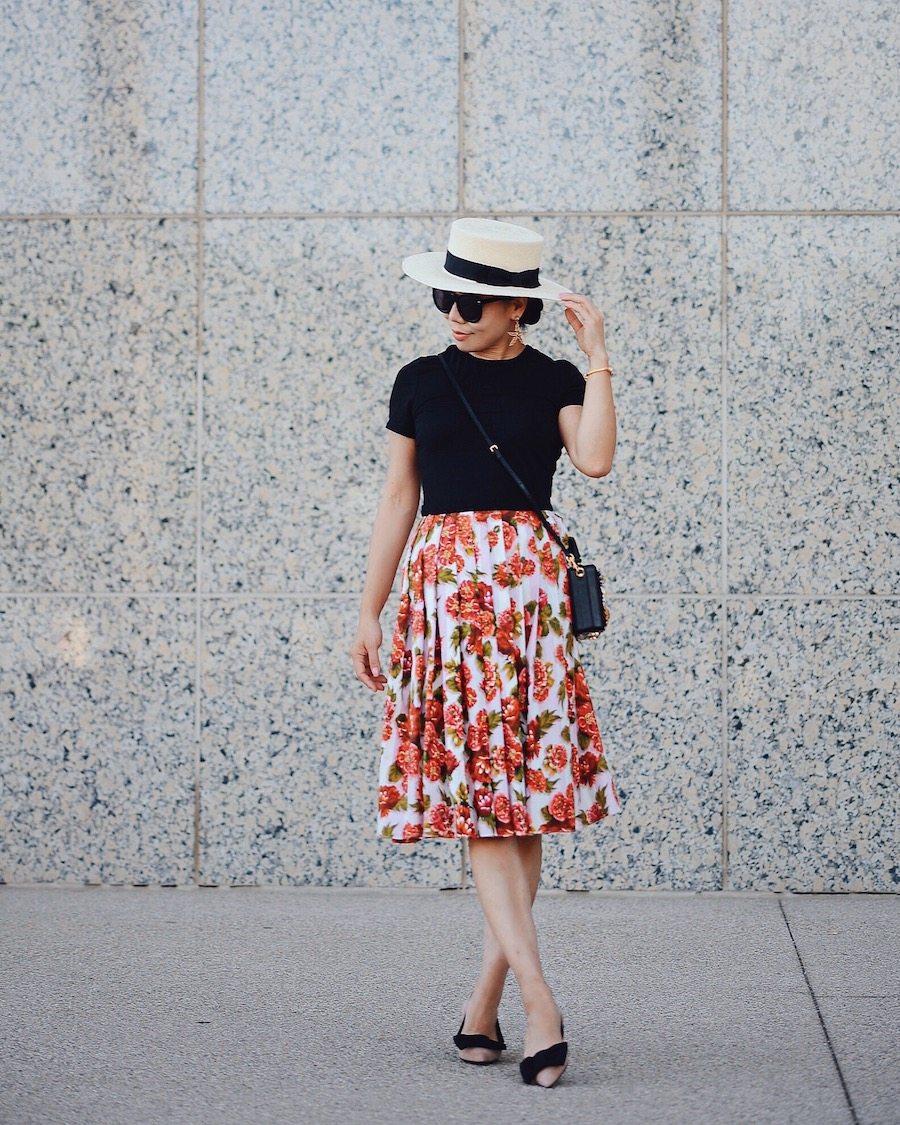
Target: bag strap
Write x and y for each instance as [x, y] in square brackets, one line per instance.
[569, 545]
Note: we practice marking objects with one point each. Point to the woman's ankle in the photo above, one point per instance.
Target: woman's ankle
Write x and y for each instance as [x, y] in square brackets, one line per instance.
[537, 1000]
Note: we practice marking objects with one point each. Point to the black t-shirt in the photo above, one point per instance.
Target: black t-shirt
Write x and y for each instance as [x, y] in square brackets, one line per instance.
[518, 402]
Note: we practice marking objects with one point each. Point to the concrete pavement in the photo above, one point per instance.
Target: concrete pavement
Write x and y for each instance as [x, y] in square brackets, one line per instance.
[288, 1004]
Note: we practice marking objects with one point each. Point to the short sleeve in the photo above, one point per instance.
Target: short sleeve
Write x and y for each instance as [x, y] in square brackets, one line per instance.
[570, 384]
[400, 411]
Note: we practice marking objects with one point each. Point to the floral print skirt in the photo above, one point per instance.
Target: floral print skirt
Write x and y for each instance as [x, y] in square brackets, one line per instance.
[489, 729]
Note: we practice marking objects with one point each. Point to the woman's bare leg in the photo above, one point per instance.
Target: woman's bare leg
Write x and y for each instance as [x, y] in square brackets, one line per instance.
[504, 890]
[484, 1003]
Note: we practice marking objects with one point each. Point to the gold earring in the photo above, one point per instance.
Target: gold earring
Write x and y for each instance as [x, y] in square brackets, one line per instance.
[516, 337]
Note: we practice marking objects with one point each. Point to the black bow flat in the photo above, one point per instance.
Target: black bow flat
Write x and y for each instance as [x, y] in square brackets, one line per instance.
[463, 1042]
[554, 1055]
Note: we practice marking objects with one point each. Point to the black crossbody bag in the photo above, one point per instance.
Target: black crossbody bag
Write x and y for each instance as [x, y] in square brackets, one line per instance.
[590, 614]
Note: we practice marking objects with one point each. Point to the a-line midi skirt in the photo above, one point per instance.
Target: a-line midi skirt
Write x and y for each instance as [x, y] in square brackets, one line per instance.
[489, 729]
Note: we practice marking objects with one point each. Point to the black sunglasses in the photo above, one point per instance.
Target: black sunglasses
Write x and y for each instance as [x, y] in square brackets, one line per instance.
[470, 305]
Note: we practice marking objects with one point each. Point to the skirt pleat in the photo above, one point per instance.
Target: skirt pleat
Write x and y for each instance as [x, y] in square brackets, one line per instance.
[489, 728]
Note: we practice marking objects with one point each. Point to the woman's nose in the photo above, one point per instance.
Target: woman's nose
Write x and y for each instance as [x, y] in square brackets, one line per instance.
[453, 315]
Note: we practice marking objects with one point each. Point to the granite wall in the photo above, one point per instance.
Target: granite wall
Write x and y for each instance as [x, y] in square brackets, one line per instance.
[204, 207]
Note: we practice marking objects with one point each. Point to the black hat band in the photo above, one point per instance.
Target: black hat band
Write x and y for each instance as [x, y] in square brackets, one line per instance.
[490, 275]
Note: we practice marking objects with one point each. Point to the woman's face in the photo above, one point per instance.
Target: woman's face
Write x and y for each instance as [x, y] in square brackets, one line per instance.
[491, 332]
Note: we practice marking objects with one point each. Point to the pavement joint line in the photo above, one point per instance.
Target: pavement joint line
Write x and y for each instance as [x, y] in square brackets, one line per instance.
[834, 1059]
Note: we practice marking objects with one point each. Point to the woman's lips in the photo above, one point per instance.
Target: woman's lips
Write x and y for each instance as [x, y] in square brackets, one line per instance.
[459, 335]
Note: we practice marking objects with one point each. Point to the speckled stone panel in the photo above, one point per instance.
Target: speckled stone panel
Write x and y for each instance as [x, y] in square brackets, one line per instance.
[307, 324]
[97, 759]
[813, 404]
[655, 680]
[98, 106]
[290, 744]
[812, 104]
[813, 772]
[654, 523]
[587, 107]
[97, 409]
[331, 107]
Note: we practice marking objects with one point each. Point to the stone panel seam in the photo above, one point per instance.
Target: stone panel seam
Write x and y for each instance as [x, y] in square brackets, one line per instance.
[834, 1059]
[198, 475]
[537, 212]
[723, 437]
[460, 107]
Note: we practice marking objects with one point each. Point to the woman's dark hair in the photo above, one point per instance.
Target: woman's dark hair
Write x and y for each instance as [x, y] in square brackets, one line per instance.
[533, 310]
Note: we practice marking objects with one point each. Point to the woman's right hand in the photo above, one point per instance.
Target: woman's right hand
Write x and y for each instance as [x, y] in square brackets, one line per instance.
[364, 652]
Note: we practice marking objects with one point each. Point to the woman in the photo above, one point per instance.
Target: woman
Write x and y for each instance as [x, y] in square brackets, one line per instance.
[489, 731]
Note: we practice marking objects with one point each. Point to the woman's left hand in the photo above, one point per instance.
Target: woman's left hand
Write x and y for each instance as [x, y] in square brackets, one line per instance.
[587, 323]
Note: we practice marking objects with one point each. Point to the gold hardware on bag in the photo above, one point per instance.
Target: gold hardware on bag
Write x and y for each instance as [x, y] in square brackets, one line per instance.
[576, 566]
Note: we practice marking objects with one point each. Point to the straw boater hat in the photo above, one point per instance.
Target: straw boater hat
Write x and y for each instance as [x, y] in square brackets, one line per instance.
[486, 256]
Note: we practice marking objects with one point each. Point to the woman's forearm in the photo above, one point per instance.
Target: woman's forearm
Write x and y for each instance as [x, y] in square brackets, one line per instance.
[393, 523]
[595, 439]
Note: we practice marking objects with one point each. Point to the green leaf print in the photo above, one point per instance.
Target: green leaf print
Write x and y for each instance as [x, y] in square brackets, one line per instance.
[395, 773]
[545, 721]
[446, 574]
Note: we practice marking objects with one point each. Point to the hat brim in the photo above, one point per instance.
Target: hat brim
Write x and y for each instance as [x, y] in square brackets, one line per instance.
[429, 270]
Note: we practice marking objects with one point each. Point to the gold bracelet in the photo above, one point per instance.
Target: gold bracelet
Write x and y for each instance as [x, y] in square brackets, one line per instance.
[596, 371]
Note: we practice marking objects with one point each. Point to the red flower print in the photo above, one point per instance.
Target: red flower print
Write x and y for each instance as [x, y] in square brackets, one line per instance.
[562, 806]
[388, 796]
[480, 768]
[557, 757]
[521, 820]
[506, 622]
[506, 644]
[433, 763]
[587, 720]
[549, 565]
[414, 724]
[441, 819]
[536, 780]
[465, 535]
[493, 538]
[541, 683]
[512, 753]
[509, 535]
[434, 713]
[479, 732]
[483, 801]
[403, 613]
[587, 767]
[453, 719]
[594, 814]
[408, 758]
[502, 810]
[504, 575]
[512, 709]
[450, 761]
[411, 833]
[466, 690]
[491, 681]
[532, 745]
[464, 825]
[430, 564]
